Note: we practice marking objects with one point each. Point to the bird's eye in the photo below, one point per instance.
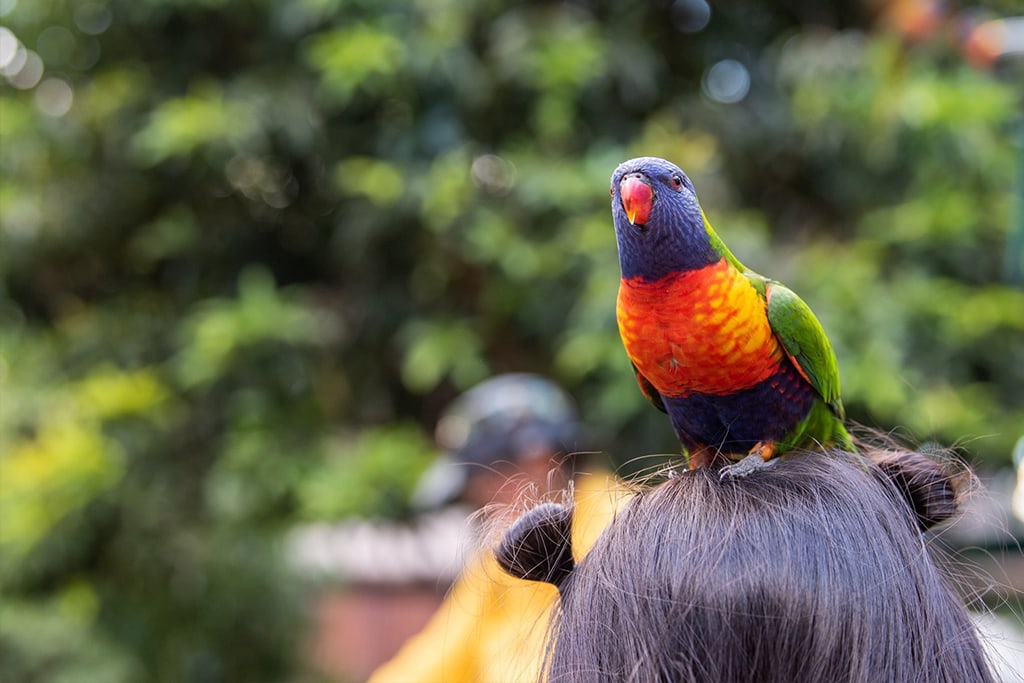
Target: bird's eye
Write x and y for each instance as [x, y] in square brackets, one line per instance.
[677, 181]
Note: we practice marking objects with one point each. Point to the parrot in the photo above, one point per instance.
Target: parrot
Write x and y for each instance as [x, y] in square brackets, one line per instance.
[738, 361]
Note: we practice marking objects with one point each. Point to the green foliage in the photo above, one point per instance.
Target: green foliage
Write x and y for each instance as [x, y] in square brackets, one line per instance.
[218, 330]
[245, 265]
[56, 644]
[350, 57]
[203, 119]
[372, 476]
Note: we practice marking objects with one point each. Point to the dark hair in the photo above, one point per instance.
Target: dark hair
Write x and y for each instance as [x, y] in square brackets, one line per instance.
[814, 569]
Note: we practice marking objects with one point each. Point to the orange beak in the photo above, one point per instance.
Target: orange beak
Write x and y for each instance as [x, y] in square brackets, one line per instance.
[637, 198]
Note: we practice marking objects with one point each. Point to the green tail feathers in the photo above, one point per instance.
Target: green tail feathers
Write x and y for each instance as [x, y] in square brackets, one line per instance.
[822, 427]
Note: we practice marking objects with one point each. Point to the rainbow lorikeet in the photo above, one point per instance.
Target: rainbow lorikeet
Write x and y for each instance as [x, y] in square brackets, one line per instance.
[737, 360]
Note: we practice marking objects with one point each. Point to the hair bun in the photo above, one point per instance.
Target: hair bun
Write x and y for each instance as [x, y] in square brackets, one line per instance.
[930, 491]
[538, 546]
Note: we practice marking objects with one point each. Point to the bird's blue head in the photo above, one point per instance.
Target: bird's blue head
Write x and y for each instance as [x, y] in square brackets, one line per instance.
[659, 226]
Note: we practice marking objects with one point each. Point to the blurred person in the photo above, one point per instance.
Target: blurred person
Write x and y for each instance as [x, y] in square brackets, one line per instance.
[814, 570]
[512, 437]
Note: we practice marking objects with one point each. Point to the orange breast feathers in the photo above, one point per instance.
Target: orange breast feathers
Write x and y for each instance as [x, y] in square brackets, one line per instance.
[702, 331]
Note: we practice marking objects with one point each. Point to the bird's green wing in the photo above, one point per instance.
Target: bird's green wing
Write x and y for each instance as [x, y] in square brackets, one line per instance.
[805, 342]
[649, 391]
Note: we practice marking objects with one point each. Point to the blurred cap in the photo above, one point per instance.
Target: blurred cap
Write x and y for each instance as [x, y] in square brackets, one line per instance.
[498, 420]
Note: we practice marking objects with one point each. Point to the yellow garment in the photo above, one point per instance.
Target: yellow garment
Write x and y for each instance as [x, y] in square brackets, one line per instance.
[492, 628]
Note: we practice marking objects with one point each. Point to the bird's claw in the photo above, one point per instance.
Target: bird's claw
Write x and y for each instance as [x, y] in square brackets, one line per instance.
[745, 467]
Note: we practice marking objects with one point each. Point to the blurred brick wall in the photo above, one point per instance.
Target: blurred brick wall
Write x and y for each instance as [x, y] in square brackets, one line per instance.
[359, 627]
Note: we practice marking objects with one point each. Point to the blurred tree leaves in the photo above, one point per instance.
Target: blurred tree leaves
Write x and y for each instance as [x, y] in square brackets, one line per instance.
[219, 329]
[380, 182]
[248, 251]
[372, 458]
[203, 118]
[49, 646]
[350, 57]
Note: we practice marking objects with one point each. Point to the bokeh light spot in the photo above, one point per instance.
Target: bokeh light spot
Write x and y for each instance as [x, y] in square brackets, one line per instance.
[93, 18]
[53, 97]
[727, 81]
[8, 46]
[16, 61]
[56, 45]
[87, 54]
[690, 16]
[30, 72]
[493, 174]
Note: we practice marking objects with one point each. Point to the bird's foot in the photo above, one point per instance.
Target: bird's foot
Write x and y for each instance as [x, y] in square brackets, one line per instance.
[759, 458]
[702, 456]
[745, 467]
[764, 450]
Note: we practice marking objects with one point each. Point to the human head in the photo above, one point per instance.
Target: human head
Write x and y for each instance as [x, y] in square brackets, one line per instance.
[812, 570]
[509, 431]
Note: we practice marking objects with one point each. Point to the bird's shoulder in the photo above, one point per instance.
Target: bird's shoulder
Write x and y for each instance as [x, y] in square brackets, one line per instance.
[759, 282]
